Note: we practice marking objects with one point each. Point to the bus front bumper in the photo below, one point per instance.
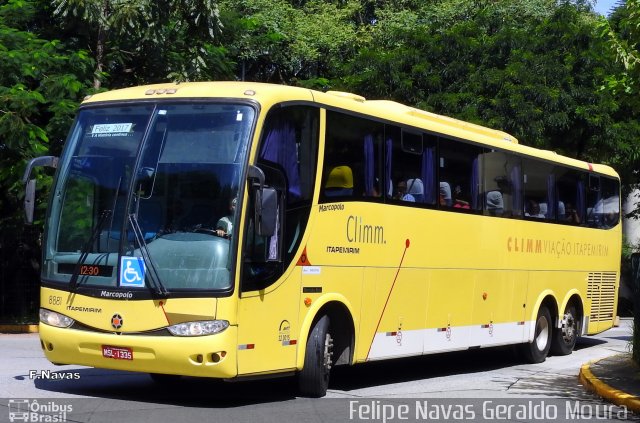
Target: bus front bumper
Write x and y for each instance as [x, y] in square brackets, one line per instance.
[200, 356]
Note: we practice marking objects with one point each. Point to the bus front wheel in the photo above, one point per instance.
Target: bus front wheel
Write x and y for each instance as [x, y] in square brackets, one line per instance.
[313, 379]
[536, 351]
[565, 337]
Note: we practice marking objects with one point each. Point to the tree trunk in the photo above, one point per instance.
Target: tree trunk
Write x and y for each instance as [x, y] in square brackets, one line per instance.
[99, 58]
[101, 43]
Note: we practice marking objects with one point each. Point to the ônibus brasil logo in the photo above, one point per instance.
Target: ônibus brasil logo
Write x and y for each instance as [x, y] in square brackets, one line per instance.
[24, 410]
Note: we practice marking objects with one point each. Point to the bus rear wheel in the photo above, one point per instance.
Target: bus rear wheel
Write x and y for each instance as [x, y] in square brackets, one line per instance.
[537, 350]
[313, 379]
[565, 337]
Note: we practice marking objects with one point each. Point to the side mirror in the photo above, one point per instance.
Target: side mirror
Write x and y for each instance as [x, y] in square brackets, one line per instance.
[266, 211]
[30, 184]
[29, 200]
[266, 203]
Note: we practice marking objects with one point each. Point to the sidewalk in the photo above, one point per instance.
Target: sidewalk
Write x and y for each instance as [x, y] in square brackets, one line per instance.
[615, 378]
[19, 328]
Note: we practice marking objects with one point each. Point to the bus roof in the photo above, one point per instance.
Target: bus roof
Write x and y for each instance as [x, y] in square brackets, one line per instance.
[269, 94]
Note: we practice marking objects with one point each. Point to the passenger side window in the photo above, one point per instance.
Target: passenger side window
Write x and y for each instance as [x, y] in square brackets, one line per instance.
[570, 186]
[502, 184]
[603, 202]
[353, 167]
[539, 190]
[460, 175]
[412, 166]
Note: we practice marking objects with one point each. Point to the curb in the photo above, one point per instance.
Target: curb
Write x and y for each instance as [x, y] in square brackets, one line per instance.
[18, 328]
[616, 396]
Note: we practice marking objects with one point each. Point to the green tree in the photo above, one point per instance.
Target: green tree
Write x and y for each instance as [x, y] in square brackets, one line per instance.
[41, 84]
[142, 41]
[277, 41]
[622, 33]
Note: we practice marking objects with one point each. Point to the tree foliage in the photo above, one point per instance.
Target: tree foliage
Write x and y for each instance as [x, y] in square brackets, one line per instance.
[41, 84]
[147, 40]
[277, 41]
[622, 32]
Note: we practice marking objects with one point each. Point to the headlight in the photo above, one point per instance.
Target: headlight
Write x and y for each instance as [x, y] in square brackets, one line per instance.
[207, 327]
[52, 318]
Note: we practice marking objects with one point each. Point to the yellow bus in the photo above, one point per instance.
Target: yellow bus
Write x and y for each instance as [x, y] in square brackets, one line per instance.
[236, 230]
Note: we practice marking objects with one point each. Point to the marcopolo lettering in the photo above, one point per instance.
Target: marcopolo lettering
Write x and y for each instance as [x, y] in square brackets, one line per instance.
[116, 294]
[331, 207]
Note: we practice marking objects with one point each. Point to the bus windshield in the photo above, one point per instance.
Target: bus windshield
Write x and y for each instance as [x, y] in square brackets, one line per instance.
[146, 195]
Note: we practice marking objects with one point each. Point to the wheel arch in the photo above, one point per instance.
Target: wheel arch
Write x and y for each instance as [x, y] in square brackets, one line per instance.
[339, 309]
[548, 299]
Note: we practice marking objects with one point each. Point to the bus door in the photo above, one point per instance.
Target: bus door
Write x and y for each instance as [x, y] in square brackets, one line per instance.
[267, 327]
[269, 298]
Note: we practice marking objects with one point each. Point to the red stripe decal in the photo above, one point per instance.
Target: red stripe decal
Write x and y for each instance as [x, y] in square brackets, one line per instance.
[406, 246]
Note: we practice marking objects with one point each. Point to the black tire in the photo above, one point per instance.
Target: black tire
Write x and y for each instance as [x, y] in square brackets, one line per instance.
[565, 337]
[537, 350]
[313, 379]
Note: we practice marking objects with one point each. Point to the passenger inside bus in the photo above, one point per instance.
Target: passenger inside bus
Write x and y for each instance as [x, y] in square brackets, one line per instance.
[445, 194]
[460, 198]
[571, 214]
[416, 189]
[402, 194]
[340, 182]
[533, 210]
[495, 203]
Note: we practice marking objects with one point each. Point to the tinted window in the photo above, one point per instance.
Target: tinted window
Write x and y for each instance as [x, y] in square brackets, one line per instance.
[413, 166]
[502, 184]
[353, 160]
[459, 175]
[539, 183]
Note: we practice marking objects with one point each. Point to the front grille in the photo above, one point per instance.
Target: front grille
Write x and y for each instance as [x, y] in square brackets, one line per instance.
[155, 332]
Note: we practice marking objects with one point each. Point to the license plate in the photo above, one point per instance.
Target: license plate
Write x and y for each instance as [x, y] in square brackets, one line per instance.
[118, 353]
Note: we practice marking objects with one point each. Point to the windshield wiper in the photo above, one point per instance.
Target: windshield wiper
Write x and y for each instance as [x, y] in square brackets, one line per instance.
[84, 253]
[158, 287]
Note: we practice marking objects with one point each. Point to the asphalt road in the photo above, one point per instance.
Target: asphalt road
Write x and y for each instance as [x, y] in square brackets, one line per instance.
[491, 384]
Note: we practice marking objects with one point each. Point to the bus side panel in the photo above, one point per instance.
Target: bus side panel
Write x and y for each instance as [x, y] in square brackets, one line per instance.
[498, 308]
[449, 310]
[394, 309]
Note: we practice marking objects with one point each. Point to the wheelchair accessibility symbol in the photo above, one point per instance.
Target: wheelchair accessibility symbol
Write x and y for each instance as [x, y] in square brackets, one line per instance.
[132, 271]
